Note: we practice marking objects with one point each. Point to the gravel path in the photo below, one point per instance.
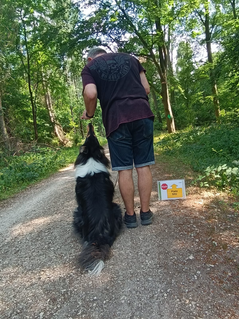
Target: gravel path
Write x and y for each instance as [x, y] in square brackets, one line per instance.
[173, 268]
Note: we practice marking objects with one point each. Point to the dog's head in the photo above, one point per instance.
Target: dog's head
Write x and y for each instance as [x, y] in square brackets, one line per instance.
[91, 149]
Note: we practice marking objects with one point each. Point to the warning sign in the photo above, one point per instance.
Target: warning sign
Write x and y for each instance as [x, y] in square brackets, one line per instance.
[172, 189]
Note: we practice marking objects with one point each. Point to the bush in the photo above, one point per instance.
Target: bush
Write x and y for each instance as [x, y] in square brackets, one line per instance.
[211, 151]
[223, 176]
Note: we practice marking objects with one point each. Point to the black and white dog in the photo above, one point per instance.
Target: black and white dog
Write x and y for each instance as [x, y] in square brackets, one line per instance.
[97, 218]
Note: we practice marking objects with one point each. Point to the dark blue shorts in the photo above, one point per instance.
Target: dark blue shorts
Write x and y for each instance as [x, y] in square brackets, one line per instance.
[132, 144]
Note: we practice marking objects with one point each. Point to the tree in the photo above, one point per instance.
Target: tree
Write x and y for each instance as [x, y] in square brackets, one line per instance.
[7, 38]
[209, 24]
[42, 48]
[136, 27]
[185, 73]
[3, 128]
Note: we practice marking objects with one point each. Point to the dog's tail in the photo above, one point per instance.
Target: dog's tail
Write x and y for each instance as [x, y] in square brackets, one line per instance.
[93, 256]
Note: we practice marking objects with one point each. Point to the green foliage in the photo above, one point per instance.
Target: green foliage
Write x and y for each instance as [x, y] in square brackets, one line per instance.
[230, 117]
[34, 165]
[212, 152]
[76, 139]
[222, 176]
[193, 93]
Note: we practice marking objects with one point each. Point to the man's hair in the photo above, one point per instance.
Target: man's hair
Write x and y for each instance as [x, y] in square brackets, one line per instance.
[94, 52]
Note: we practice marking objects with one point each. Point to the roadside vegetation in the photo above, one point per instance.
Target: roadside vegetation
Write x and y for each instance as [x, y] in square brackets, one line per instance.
[26, 167]
[211, 152]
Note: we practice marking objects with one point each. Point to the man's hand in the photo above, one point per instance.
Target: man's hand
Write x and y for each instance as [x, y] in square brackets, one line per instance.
[84, 116]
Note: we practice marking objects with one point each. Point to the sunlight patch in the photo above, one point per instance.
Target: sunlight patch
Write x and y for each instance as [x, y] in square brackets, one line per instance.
[68, 168]
[30, 226]
[17, 274]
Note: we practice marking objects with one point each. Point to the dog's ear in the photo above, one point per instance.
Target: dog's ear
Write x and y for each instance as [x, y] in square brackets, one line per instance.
[101, 153]
[83, 149]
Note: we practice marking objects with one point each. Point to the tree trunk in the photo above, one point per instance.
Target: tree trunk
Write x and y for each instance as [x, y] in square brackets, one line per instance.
[57, 127]
[163, 66]
[156, 107]
[71, 83]
[78, 101]
[3, 128]
[165, 96]
[170, 67]
[234, 11]
[211, 74]
[167, 108]
[28, 70]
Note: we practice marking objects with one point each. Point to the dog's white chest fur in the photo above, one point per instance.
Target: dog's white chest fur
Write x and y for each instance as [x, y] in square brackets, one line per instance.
[91, 167]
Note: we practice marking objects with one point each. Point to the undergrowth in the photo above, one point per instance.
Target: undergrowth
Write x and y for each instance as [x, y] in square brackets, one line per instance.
[32, 164]
[212, 152]
[18, 172]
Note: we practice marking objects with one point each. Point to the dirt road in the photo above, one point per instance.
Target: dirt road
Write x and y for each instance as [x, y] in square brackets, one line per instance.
[181, 266]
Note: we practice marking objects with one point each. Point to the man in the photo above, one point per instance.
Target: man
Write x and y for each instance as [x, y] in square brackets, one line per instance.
[118, 80]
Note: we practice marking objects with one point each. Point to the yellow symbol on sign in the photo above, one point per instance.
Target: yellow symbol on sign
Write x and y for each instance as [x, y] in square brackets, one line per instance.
[174, 192]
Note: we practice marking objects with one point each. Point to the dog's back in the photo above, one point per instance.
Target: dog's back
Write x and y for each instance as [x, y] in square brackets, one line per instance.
[97, 218]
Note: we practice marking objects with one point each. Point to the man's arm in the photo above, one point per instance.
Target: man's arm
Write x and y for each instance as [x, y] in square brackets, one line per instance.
[90, 99]
[145, 82]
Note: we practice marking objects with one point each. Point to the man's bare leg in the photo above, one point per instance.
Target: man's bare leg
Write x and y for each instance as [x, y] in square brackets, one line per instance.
[126, 186]
[144, 186]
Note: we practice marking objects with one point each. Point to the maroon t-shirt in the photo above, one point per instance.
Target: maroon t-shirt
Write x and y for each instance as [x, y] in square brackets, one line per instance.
[122, 96]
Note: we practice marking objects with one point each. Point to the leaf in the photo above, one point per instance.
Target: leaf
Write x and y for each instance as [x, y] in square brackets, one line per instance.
[235, 170]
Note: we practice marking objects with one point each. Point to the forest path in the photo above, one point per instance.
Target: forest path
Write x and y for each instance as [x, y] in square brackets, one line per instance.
[184, 265]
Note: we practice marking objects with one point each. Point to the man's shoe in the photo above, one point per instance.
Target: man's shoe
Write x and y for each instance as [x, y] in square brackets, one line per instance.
[146, 218]
[130, 221]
